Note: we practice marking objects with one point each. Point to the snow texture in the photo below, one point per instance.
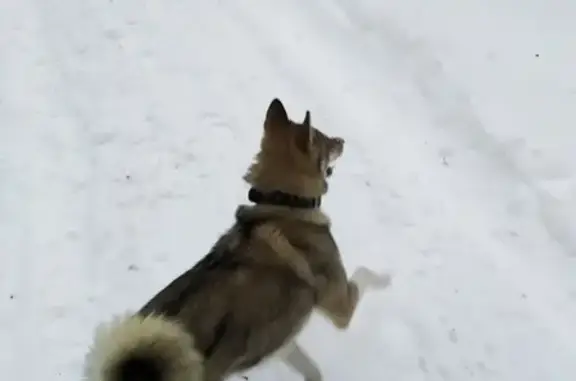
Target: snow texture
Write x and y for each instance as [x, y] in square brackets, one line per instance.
[125, 127]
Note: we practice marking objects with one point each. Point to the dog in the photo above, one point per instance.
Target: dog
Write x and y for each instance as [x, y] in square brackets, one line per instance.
[250, 296]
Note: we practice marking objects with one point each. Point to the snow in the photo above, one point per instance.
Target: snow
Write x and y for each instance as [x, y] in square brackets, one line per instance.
[125, 127]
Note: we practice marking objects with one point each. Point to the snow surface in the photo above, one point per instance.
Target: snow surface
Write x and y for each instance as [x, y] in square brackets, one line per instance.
[125, 126]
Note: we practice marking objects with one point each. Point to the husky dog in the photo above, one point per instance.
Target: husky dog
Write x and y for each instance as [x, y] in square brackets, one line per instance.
[251, 295]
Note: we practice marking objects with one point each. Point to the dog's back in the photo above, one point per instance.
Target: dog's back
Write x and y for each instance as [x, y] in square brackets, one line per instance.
[248, 296]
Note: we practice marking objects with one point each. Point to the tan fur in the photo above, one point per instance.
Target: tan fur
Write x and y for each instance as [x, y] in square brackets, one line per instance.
[250, 296]
[272, 236]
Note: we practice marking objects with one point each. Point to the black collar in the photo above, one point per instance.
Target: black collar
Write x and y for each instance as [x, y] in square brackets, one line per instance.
[283, 199]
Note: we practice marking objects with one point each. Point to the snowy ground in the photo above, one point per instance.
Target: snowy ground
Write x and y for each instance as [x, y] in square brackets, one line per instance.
[125, 126]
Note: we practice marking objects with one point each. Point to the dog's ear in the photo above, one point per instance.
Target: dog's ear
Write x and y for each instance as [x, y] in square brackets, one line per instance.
[305, 134]
[307, 120]
[276, 116]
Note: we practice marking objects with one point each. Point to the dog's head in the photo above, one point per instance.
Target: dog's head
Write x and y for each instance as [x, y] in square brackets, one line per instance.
[294, 157]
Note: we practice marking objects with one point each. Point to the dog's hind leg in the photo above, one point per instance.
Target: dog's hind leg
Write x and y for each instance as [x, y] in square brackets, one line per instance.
[297, 359]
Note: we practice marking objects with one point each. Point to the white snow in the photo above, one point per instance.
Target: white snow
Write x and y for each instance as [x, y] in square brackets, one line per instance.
[125, 127]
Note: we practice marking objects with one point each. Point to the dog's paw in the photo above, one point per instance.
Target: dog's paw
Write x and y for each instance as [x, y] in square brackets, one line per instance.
[371, 279]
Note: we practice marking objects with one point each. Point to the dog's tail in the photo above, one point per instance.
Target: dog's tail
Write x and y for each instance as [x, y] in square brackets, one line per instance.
[142, 348]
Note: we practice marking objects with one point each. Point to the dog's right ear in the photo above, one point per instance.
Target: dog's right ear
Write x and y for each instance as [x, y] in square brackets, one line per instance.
[276, 116]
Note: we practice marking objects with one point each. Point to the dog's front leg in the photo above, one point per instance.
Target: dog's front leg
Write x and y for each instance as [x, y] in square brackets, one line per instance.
[341, 296]
[366, 279]
[297, 359]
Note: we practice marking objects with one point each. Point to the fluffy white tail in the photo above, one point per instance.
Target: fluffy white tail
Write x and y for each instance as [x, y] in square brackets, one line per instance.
[142, 348]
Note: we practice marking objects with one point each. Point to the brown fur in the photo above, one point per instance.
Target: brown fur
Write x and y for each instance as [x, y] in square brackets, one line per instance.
[255, 290]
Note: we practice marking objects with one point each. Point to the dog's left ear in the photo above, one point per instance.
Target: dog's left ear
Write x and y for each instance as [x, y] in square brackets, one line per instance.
[276, 116]
[305, 134]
